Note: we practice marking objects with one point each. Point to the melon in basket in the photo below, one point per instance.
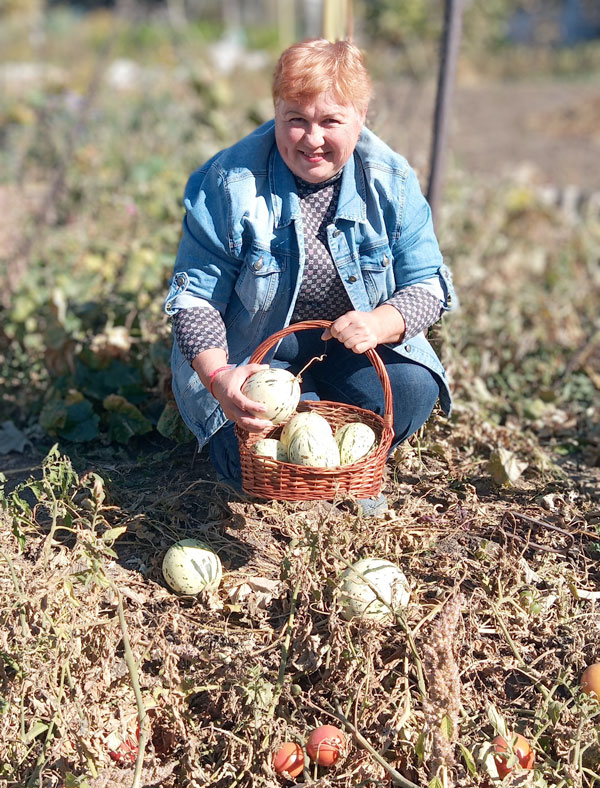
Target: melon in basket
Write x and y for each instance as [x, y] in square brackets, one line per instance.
[277, 389]
[316, 450]
[372, 588]
[354, 440]
[191, 566]
[308, 420]
[271, 447]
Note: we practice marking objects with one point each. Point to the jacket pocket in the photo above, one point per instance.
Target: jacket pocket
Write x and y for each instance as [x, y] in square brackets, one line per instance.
[259, 280]
[377, 267]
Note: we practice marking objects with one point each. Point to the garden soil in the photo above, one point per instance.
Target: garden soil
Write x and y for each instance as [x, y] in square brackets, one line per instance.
[504, 579]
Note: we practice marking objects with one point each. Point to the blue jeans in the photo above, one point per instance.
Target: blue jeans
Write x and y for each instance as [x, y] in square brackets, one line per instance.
[343, 376]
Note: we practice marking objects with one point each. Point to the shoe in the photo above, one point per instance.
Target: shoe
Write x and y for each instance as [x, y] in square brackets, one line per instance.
[373, 507]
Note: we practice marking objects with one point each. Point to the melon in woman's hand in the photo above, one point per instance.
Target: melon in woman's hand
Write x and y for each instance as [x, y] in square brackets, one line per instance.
[277, 389]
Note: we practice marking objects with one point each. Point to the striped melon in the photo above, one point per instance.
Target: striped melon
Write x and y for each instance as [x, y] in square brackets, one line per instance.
[191, 566]
[271, 447]
[310, 420]
[308, 448]
[354, 440]
[277, 389]
[357, 595]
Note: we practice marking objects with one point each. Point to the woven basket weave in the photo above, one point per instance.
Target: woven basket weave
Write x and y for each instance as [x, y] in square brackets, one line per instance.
[264, 477]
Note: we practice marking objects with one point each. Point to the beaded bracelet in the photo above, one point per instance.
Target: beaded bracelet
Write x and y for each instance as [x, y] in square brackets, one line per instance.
[211, 378]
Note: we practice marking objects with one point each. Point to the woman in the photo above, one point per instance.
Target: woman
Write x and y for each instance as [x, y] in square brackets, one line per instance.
[311, 216]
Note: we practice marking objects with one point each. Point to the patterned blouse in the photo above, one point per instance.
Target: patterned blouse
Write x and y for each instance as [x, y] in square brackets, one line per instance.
[322, 294]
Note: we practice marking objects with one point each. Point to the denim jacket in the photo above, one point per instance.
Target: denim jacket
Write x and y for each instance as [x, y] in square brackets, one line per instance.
[242, 251]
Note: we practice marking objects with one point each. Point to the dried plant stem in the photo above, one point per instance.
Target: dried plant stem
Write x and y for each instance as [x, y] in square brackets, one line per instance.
[133, 674]
[36, 775]
[533, 674]
[285, 650]
[322, 357]
[19, 593]
[396, 777]
[509, 640]
[399, 620]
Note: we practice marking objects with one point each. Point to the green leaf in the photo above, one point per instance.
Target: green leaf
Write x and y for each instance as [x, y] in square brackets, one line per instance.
[554, 711]
[73, 419]
[420, 747]
[468, 759]
[72, 781]
[114, 533]
[171, 425]
[446, 727]
[497, 720]
[53, 416]
[125, 420]
[504, 467]
[435, 783]
[36, 730]
[82, 422]
[105, 379]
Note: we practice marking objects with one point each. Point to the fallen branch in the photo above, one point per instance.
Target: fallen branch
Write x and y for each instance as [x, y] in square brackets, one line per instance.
[395, 775]
[133, 674]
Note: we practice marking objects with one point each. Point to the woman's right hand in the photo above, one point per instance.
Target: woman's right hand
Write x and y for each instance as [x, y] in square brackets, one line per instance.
[227, 389]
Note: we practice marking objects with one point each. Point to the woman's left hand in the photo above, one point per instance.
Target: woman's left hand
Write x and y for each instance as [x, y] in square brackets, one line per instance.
[362, 331]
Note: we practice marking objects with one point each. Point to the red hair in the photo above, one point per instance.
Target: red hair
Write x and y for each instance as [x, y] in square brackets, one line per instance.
[315, 66]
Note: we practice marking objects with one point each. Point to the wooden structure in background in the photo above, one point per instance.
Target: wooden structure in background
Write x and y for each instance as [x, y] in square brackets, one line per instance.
[447, 73]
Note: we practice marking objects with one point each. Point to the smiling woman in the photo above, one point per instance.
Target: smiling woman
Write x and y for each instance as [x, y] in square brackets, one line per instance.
[309, 217]
[317, 125]
[317, 138]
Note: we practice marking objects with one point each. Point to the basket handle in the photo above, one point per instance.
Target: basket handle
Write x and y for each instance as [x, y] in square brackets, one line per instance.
[306, 325]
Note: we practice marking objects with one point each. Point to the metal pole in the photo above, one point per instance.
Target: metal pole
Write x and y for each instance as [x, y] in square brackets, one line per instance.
[449, 56]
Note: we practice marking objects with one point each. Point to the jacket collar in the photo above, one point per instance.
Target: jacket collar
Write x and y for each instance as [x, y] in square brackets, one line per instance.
[352, 203]
[286, 205]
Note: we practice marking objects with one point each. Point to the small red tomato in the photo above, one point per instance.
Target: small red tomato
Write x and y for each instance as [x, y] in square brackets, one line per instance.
[289, 758]
[325, 744]
[125, 752]
[590, 680]
[520, 747]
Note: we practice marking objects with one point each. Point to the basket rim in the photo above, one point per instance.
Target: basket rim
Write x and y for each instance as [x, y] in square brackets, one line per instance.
[248, 439]
[306, 325]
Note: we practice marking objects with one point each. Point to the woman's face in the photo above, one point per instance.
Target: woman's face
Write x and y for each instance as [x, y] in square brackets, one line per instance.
[316, 137]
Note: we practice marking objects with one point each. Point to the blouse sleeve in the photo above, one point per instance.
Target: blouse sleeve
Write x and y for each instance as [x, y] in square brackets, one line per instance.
[198, 328]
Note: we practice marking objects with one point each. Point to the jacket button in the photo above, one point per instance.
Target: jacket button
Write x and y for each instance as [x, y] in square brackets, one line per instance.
[180, 280]
[449, 298]
[408, 348]
[258, 264]
[352, 279]
[336, 233]
[386, 260]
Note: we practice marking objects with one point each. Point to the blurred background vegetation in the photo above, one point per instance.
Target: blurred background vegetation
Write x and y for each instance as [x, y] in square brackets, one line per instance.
[106, 108]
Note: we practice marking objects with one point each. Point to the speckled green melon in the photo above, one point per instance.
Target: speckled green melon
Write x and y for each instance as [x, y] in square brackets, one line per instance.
[308, 448]
[191, 566]
[277, 389]
[358, 597]
[310, 420]
[355, 441]
[271, 447]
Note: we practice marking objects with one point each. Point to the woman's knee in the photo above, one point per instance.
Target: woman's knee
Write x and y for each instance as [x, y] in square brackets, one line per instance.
[415, 390]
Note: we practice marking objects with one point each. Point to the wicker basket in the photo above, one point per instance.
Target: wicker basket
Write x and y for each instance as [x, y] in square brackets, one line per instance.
[264, 477]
